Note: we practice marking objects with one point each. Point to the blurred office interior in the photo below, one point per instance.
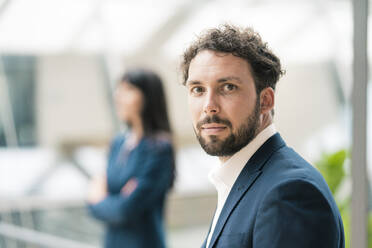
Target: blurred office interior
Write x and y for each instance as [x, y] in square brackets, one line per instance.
[60, 61]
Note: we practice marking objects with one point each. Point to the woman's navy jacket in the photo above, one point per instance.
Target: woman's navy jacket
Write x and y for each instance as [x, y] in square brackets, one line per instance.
[136, 221]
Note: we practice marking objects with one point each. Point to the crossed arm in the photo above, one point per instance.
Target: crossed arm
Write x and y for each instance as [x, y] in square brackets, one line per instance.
[138, 194]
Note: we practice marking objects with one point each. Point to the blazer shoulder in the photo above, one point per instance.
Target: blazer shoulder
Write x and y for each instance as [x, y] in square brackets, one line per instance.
[301, 185]
[286, 164]
[301, 189]
[157, 145]
[286, 167]
[298, 191]
[117, 140]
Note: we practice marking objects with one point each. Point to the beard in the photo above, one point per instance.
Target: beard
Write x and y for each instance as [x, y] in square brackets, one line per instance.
[236, 140]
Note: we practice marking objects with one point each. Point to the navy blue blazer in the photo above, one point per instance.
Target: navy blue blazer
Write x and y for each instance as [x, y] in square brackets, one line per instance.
[136, 221]
[279, 201]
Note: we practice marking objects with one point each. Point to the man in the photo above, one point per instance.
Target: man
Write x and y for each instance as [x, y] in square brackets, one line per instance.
[268, 196]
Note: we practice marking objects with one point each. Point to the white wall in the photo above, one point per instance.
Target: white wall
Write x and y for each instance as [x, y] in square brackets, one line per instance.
[72, 104]
[306, 103]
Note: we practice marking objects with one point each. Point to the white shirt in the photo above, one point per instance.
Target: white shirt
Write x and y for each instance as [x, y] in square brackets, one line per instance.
[224, 175]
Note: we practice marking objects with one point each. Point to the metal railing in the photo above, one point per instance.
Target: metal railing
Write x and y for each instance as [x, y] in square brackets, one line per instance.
[34, 222]
[22, 224]
[32, 237]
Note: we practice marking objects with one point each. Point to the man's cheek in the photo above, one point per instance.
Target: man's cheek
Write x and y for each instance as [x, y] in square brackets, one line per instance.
[195, 115]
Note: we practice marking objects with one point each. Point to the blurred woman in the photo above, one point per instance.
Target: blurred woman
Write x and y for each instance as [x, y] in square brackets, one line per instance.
[130, 199]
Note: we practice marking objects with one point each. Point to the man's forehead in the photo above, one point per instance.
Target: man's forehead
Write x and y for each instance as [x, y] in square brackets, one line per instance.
[218, 66]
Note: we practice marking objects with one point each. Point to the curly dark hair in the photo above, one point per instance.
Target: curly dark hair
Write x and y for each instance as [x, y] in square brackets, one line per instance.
[241, 42]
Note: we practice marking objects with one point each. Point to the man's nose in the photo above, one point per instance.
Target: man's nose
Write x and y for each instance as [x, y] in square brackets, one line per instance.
[211, 105]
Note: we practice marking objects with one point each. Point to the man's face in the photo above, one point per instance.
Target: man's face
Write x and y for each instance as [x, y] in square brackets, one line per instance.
[223, 102]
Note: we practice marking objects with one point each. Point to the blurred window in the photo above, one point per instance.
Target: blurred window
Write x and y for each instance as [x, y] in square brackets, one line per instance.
[20, 74]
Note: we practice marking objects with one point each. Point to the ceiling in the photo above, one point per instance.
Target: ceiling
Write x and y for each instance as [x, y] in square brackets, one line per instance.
[300, 30]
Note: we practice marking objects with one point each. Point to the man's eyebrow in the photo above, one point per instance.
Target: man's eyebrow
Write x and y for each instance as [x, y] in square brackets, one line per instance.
[220, 80]
[230, 78]
[192, 82]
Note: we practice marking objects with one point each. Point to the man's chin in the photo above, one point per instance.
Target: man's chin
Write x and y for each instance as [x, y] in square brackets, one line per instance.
[213, 144]
[211, 139]
[213, 148]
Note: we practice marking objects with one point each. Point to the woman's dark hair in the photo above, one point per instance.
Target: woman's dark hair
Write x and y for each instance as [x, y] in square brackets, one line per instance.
[154, 113]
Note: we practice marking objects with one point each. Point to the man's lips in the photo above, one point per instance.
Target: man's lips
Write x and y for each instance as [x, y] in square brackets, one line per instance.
[212, 128]
[207, 126]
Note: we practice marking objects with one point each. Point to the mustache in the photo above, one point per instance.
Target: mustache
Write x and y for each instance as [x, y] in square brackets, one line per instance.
[213, 119]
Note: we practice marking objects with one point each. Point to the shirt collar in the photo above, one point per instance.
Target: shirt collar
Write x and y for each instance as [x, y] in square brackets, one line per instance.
[225, 174]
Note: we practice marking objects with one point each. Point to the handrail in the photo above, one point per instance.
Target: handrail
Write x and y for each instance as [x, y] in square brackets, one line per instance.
[27, 203]
[38, 238]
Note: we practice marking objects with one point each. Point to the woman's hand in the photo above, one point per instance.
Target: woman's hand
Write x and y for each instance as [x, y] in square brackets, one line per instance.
[129, 187]
[98, 189]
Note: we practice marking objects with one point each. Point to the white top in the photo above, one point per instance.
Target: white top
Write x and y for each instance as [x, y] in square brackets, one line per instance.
[224, 175]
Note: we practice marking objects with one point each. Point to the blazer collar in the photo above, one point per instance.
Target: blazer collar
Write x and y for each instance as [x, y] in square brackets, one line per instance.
[246, 178]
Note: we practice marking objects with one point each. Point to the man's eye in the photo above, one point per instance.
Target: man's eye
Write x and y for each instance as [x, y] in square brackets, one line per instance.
[197, 90]
[229, 87]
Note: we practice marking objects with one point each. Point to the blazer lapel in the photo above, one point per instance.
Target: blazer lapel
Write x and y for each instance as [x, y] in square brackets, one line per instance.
[245, 180]
[204, 243]
[235, 195]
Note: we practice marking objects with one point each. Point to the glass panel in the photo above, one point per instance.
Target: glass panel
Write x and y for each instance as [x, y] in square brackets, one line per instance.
[20, 77]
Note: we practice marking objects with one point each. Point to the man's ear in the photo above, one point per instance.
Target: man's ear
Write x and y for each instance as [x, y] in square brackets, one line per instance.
[267, 100]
